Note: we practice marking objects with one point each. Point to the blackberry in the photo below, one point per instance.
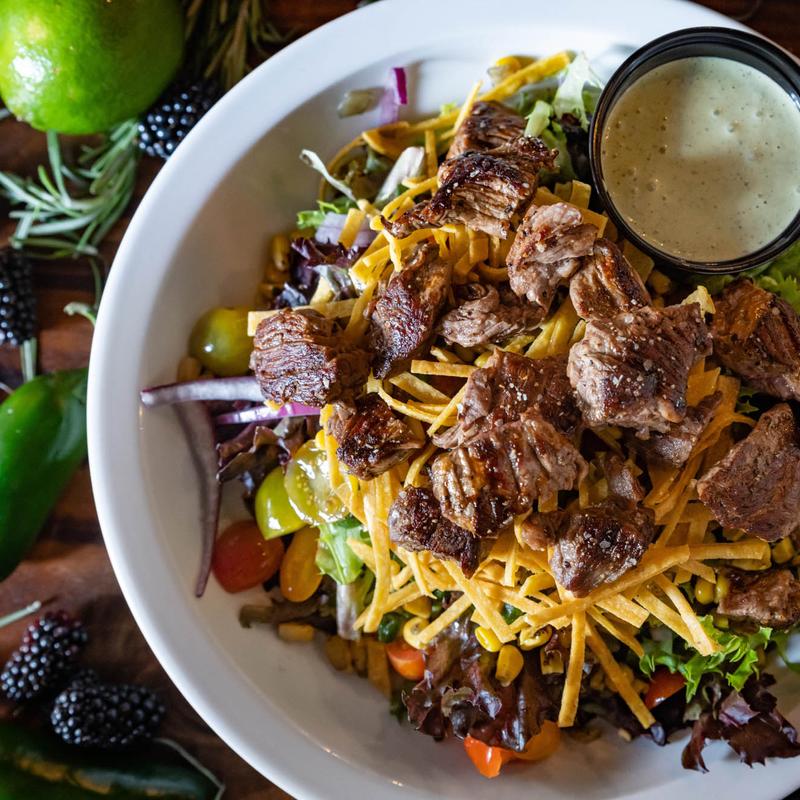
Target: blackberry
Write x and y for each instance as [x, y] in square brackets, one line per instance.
[174, 114]
[105, 715]
[46, 658]
[17, 302]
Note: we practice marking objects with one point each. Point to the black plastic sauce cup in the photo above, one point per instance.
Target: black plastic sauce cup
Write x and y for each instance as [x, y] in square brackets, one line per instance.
[737, 45]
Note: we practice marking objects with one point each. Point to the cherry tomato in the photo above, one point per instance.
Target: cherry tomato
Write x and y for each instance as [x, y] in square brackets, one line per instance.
[300, 577]
[543, 744]
[243, 558]
[308, 486]
[663, 684]
[219, 341]
[274, 512]
[406, 660]
[487, 760]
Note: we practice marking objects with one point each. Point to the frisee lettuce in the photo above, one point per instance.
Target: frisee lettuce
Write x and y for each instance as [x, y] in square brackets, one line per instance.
[736, 660]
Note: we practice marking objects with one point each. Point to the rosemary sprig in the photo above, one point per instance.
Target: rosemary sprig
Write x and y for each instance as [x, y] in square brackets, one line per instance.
[68, 211]
[222, 34]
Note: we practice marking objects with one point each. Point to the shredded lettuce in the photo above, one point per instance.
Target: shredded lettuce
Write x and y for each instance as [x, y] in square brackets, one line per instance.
[408, 165]
[448, 108]
[737, 659]
[334, 556]
[313, 218]
[539, 118]
[555, 138]
[311, 159]
[579, 90]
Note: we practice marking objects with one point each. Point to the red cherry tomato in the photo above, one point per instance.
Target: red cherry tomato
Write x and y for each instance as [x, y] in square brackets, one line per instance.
[243, 558]
[487, 760]
[664, 684]
[406, 660]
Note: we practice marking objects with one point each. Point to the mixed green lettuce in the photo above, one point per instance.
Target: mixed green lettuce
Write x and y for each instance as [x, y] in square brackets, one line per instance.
[736, 661]
[313, 218]
[334, 555]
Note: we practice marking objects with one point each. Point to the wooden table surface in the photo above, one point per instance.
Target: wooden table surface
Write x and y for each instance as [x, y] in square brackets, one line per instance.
[69, 562]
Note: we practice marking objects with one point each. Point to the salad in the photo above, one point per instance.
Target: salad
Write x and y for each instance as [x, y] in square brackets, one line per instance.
[517, 475]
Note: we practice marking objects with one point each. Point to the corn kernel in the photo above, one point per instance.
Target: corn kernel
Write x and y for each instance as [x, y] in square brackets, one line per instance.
[551, 663]
[338, 652]
[509, 664]
[703, 591]
[412, 630]
[783, 551]
[279, 252]
[531, 639]
[421, 607]
[721, 588]
[295, 632]
[487, 639]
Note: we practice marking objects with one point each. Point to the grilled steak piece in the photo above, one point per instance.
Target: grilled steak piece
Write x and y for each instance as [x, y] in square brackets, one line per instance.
[756, 486]
[607, 284]
[485, 314]
[481, 485]
[632, 369]
[757, 335]
[404, 317]
[675, 445]
[371, 439]
[595, 545]
[299, 357]
[621, 480]
[770, 598]
[547, 250]
[416, 523]
[481, 190]
[508, 386]
[488, 125]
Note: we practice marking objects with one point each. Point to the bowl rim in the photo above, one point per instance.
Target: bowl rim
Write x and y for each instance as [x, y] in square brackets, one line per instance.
[757, 51]
[296, 762]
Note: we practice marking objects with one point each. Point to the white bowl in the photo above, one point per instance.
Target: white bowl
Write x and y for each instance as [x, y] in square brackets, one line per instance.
[197, 241]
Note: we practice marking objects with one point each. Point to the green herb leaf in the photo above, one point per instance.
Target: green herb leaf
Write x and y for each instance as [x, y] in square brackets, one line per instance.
[334, 556]
[69, 210]
[781, 639]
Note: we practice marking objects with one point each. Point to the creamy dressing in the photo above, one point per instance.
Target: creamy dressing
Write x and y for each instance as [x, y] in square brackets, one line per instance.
[702, 158]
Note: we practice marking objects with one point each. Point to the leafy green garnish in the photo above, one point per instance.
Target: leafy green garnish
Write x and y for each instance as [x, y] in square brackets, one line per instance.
[579, 91]
[781, 276]
[334, 556]
[539, 118]
[312, 218]
[555, 138]
[743, 404]
[737, 659]
[510, 613]
[448, 108]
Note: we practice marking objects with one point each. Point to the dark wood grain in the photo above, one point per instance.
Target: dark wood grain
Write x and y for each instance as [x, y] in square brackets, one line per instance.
[69, 561]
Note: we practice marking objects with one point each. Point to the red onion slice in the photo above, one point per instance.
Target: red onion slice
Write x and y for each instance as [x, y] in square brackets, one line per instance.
[400, 85]
[265, 414]
[245, 388]
[198, 427]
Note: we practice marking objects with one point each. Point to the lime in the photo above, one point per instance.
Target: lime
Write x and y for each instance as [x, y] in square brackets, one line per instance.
[80, 66]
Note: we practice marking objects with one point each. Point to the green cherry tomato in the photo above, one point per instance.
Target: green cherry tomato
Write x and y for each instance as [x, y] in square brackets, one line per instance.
[274, 514]
[219, 341]
[308, 485]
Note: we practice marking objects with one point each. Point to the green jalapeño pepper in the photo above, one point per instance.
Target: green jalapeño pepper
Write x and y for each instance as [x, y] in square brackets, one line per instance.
[42, 442]
[34, 765]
